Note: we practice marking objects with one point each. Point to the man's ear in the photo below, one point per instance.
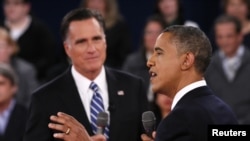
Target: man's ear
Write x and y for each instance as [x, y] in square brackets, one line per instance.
[67, 48]
[187, 61]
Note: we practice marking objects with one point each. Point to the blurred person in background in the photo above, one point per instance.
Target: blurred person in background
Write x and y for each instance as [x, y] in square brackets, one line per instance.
[26, 73]
[172, 13]
[162, 107]
[37, 44]
[240, 10]
[228, 73]
[13, 116]
[136, 63]
[118, 36]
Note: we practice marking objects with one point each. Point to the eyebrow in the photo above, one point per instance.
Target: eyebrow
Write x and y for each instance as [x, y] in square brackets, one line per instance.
[80, 40]
[158, 49]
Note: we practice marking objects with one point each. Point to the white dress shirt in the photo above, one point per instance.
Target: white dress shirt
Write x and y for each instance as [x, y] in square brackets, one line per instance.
[187, 89]
[5, 116]
[232, 64]
[86, 94]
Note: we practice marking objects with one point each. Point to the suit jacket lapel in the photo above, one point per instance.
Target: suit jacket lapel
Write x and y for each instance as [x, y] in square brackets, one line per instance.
[72, 101]
[113, 88]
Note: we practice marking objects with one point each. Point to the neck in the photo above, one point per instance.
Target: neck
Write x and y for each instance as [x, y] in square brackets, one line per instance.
[4, 106]
[91, 75]
[17, 23]
[170, 18]
[164, 114]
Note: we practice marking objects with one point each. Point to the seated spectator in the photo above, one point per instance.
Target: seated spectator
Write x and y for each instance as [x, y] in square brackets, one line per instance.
[162, 107]
[136, 63]
[240, 10]
[25, 71]
[172, 13]
[117, 32]
[13, 116]
[228, 73]
[37, 44]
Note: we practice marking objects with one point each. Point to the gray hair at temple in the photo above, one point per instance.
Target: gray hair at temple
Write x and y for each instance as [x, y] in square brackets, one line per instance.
[7, 72]
[194, 40]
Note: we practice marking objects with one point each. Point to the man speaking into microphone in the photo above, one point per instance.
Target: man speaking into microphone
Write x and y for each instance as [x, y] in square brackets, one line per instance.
[181, 56]
[67, 108]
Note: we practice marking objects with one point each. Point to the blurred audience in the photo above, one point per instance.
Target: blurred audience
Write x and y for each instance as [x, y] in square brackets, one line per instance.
[162, 107]
[118, 36]
[26, 73]
[228, 74]
[37, 44]
[172, 13]
[136, 63]
[240, 10]
[13, 116]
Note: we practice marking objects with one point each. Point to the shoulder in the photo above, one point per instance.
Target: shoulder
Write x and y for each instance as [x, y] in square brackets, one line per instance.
[124, 78]
[52, 87]
[191, 23]
[133, 58]
[23, 65]
[20, 110]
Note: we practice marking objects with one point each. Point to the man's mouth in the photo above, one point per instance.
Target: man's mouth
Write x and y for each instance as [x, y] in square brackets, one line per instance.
[152, 74]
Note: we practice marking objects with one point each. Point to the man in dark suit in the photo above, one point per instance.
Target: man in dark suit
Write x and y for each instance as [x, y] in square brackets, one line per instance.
[13, 116]
[181, 56]
[123, 95]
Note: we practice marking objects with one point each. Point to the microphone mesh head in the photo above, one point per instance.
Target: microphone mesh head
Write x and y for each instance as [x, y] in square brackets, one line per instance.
[148, 120]
[102, 119]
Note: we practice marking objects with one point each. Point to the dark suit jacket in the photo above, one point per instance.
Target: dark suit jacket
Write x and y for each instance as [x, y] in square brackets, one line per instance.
[189, 120]
[16, 125]
[61, 95]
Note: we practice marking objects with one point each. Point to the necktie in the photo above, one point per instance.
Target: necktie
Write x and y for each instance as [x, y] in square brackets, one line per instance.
[96, 106]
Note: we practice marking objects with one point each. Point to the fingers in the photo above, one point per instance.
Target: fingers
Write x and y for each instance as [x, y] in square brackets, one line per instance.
[144, 137]
[68, 128]
[58, 127]
[154, 134]
[98, 138]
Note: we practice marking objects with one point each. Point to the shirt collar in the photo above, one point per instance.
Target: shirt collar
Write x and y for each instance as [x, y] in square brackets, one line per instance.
[239, 53]
[83, 82]
[187, 89]
[7, 111]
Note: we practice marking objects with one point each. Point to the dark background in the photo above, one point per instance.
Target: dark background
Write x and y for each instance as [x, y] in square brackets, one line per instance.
[135, 13]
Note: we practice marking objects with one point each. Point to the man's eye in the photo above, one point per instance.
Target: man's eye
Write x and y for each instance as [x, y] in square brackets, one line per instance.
[158, 53]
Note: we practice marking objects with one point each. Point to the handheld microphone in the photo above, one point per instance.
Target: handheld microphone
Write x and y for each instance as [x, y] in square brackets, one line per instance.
[148, 121]
[101, 122]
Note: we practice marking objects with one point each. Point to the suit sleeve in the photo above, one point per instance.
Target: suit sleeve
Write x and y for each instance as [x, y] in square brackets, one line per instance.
[143, 106]
[37, 124]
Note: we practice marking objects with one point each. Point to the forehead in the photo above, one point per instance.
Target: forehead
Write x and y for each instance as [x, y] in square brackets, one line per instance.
[225, 27]
[164, 39]
[87, 26]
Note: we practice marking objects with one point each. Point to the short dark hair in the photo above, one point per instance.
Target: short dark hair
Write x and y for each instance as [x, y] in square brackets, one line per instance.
[8, 72]
[192, 39]
[229, 19]
[77, 15]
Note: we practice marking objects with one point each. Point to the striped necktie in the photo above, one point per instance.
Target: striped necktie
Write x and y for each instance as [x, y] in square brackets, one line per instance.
[96, 106]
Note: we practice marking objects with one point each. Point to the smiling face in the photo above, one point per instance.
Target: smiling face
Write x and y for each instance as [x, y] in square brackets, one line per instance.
[165, 66]
[227, 38]
[237, 8]
[86, 46]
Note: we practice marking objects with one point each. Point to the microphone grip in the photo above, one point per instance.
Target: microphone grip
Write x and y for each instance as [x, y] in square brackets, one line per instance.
[100, 130]
[149, 132]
